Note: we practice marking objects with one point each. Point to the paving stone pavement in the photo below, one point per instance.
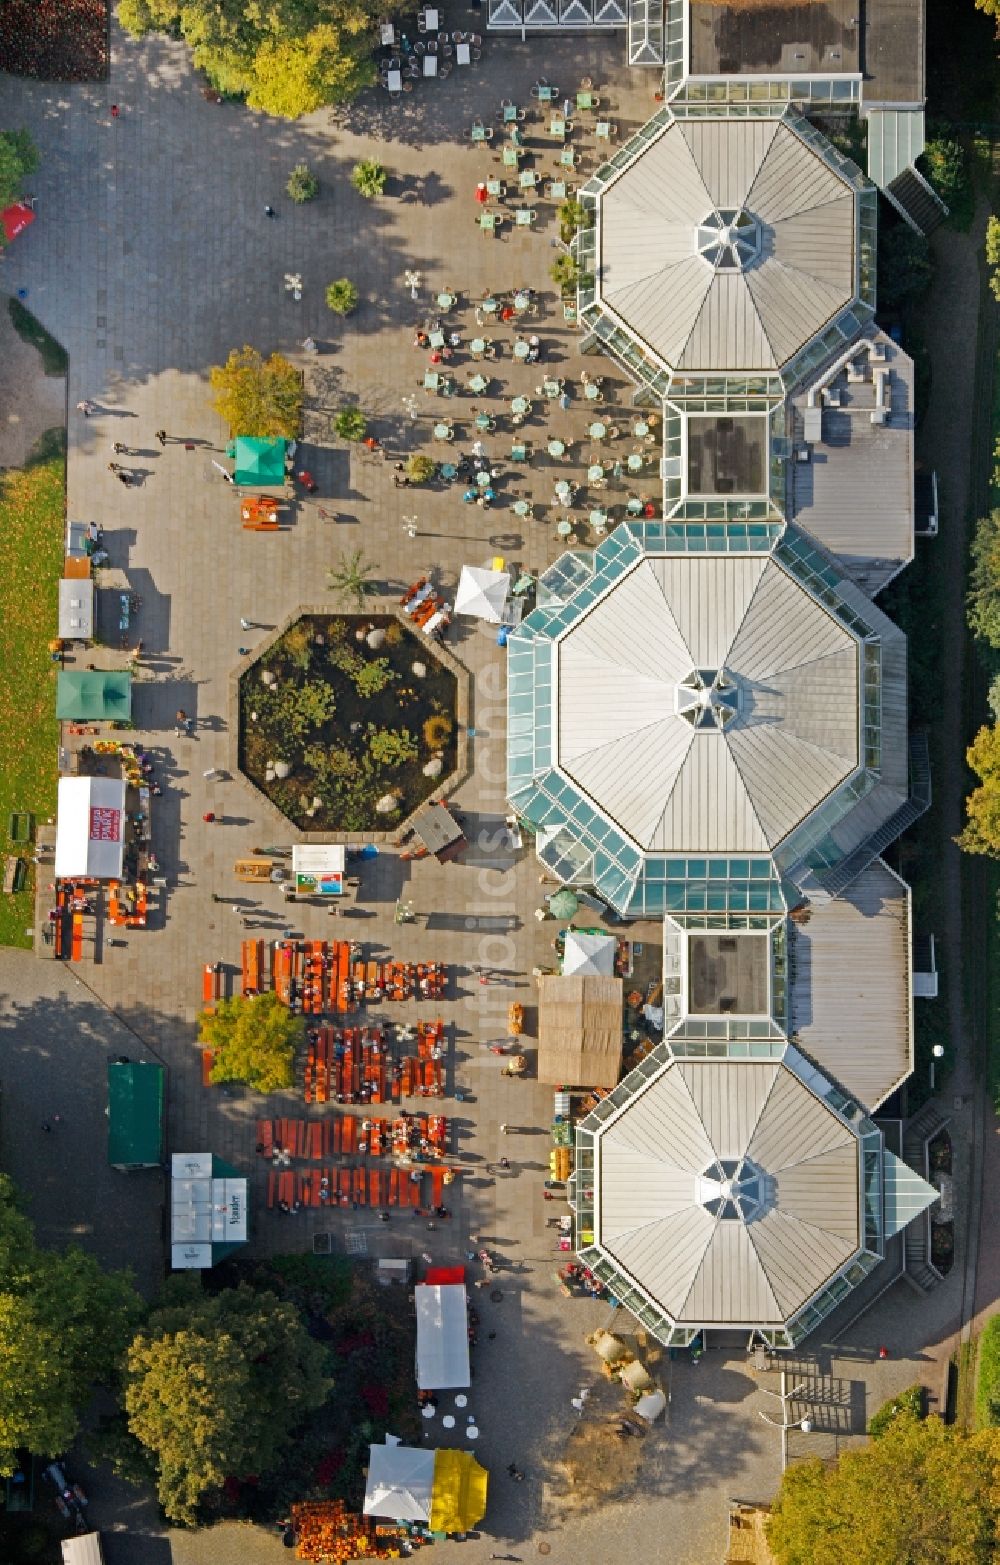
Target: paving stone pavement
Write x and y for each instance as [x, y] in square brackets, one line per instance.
[151, 259]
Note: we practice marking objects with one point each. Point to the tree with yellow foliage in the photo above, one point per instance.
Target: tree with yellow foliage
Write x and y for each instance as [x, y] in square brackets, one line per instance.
[258, 397]
[982, 808]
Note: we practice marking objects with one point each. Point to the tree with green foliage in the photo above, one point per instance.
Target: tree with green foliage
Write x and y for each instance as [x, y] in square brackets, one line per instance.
[350, 423]
[946, 167]
[215, 1384]
[302, 185]
[368, 177]
[565, 273]
[254, 1039]
[905, 267]
[258, 397]
[573, 216]
[420, 469]
[983, 601]
[351, 577]
[289, 57]
[18, 159]
[64, 1325]
[988, 1375]
[981, 833]
[342, 296]
[922, 1493]
[993, 254]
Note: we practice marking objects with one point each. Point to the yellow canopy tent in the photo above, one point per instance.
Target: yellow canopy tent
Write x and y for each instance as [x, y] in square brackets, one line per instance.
[458, 1498]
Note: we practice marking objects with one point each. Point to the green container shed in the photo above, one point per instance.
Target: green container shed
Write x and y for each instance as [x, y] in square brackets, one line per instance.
[135, 1115]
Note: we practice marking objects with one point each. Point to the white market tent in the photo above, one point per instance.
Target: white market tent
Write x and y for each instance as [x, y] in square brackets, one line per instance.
[400, 1480]
[588, 954]
[90, 828]
[482, 593]
[76, 610]
[442, 1337]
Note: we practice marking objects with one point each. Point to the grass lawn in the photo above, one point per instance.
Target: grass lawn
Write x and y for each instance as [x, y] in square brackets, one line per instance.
[32, 504]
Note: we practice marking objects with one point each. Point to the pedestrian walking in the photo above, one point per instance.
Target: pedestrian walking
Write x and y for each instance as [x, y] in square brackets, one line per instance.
[161, 436]
[208, 817]
[119, 449]
[243, 652]
[504, 1129]
[246, 624]
[115, 111]
[515, 1472]
[211, 773]
[115, 467]
[86, 408]
[216, 897]
[47, 1128]
[269, 211]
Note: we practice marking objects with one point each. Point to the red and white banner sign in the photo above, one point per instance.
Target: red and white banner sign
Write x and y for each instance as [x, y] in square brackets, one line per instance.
[105, 824]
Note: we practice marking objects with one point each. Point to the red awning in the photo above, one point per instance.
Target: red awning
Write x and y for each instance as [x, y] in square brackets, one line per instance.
[444, 1276]
[16, 219]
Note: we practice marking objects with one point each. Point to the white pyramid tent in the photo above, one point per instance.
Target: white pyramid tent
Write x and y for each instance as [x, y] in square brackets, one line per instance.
[482, 593]
[399, 1484]
[588, 954]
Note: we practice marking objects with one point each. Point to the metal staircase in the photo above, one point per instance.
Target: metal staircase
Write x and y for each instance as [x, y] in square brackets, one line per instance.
[836, 880]
[919, 1131]
[915, 201]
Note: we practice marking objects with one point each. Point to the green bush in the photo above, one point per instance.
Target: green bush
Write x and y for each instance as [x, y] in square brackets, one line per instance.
[946, 166]
[421, 469]
[573, 216]
[988, 1376]
[371, 678]
[350, 424]
[565, 272]
[391, 747]
[302, 184]
[911, 1403]
[368, 177]
[342, 296]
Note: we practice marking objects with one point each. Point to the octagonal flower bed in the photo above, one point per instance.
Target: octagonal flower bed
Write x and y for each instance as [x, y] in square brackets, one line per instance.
[347, 723]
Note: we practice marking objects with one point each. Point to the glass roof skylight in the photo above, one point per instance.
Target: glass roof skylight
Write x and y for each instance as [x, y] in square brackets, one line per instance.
[728, 239]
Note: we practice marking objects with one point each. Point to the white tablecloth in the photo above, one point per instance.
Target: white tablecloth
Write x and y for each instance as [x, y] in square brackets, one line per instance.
[387, 33]
[462, 55]
[430, 64]
[394, 81]
[431, 20]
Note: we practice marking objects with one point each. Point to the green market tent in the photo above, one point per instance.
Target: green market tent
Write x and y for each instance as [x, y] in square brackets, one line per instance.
[94, 697]
[260, 463]
[135, 1114]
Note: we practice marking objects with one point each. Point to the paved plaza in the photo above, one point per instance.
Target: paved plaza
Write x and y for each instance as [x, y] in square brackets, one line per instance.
[150, 260]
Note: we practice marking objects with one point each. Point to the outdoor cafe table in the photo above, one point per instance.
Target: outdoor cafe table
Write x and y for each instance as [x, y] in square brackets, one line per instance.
[495, 187]
[483, 421]
[478, 383]
[430, 64]
[567, 158]
[510, 113]
[432, 380]
[448, 471]
[564, 527]
[436, 339]
[527, 179]
[557, 189]
[552, 388]
[488, 221]
[640, 428]
[557, 127]
[478, 132]
[510, 156]
[477, 347]
[633, 506]
[522, 302]
[521, 508]
[445, 301]
[387, 34]
[564, 491]
[488, 306]
[462, 55]
[585, 100]
[599, 519]
[484, 478]
[598, 430]
[520, 405]
[635, 463]
[545, 93]
[518, 452]
[595, 472]
[592, 391]
[430, 19]
[521, 348]
[394, 81]
[443, 432]
[557, 448]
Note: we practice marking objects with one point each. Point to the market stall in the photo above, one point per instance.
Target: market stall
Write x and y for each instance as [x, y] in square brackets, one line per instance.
[446, 1489]
[135, 1114]
[580, 1030]
[90, 828]
[442, 1337]
[76, 609]
[94, 696]
[259, 462]
[208, 1211]
[317, 869]
[587, 954]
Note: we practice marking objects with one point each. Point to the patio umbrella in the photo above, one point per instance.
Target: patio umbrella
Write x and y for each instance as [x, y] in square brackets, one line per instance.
[15, 219]
[482, 593]
[563, 904]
